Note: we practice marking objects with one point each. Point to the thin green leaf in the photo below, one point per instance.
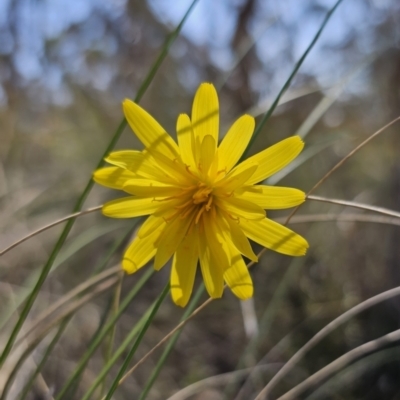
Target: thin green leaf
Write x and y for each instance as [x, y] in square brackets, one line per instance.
[117, 354]
[110, 344]
[33, 344]
[289, 80]
[171, 343]
[305, 155]
[76, 244]
[104, 318]
[50, 347]
[138, 340]
[78, 206]
[99, 267]
[97, 340]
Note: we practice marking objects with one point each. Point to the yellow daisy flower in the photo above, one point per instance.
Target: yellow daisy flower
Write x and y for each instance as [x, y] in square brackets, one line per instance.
[202, 205]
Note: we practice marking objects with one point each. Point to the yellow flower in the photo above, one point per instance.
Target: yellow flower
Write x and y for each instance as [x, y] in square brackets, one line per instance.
[202, 205]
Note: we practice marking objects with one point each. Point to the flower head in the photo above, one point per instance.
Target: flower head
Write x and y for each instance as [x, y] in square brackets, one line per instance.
[202, 205]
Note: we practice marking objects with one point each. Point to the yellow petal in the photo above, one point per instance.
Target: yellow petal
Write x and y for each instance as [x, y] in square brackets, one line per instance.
[207, 153]
[239, 239]
[205, 113]
[129, 207]
[113, 177]
[140, 252]
[228, 257]
[149, 168]
[210, 269]
[273, 197]
[124, 158]
[151, 224]
[150, 188]
[273, 159]
[168, 207]
[170, 239]
[149, 131]
[240, 208]
[141, 163]
[185, 138]
[184, 268]
[235, 179]
[215, 238]
[235, 142]
[175, 169]
[274, 236]
[237, 275]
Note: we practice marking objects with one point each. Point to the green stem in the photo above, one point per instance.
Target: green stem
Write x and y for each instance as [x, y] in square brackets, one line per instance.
[157, 369]
[137, 342]
[101, 334]
[104, 318]
[46, 355]
[47, 267]
[110, 344]
[117, 354]
[289, 80]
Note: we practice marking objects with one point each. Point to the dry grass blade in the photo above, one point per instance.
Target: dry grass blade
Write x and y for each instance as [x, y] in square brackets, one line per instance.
[44, 228]
[113, 313]
[358, 205]
[341, 363]
[377, 219]
[276, 352]
[32, 344]
[94, 280]
[323, 333]
[264, 393]
[354, 204]
[66, 298]
[299, 219]
[323, 179]
[166, 338]
[354, 151]
[77, 304]
[222, 379]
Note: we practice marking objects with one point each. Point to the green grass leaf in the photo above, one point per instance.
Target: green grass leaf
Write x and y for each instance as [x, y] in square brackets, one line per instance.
[286, 85]
[78, 206]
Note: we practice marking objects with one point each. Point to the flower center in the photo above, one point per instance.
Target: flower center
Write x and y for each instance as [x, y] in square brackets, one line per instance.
[202, 194]
[197, 199]
[203, 198]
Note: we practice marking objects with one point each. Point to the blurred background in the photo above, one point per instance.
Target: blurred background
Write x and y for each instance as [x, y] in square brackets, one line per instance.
[65, 67]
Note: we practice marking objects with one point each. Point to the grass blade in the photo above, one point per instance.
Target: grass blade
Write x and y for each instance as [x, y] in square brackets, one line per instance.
[33, 344]
[138, 340]
[110, 345]
[101, 335]
[289, 80]
[99, 267]
[171, 344]
[46, 355]
[46, 268]
[127, 341]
